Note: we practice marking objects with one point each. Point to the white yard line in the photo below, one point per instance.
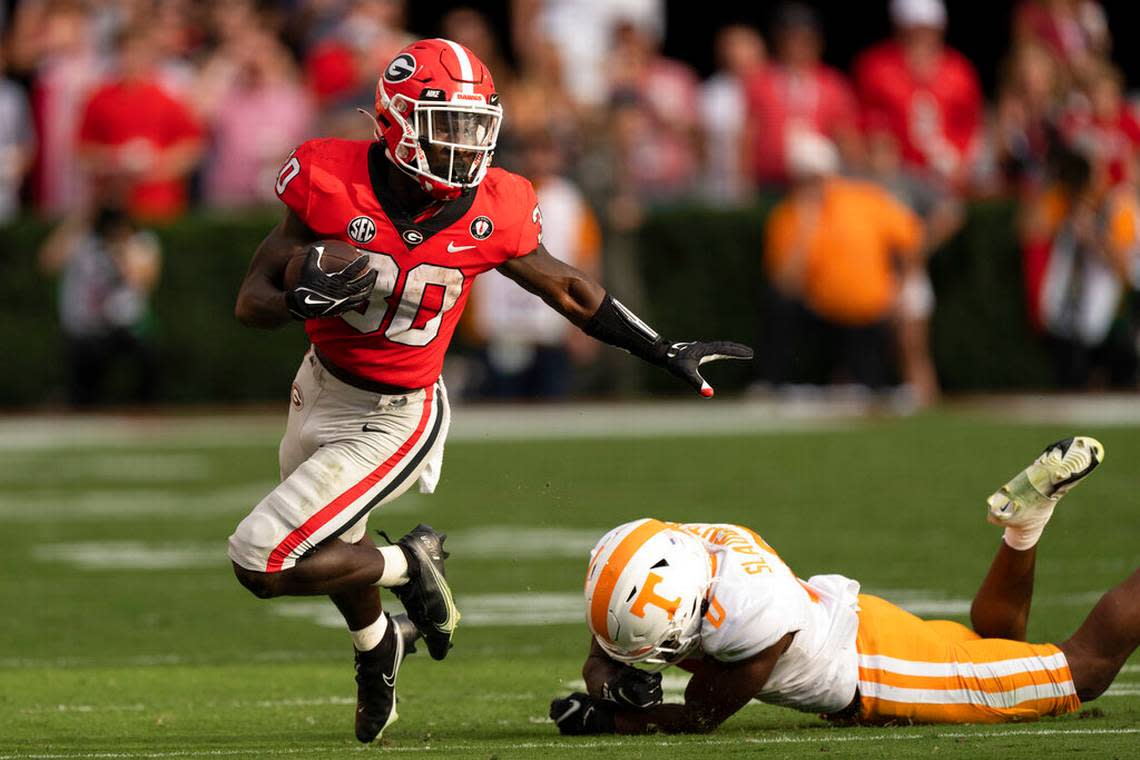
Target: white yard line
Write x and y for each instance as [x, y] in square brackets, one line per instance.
[479, 610]
[497, 542]
[634, 419]
[822, 738]
[44, 709]
[97, 504]
[510, 542]
[1102, 410]
[88, 467]
[131, 555]
[154, 660]
[473, 423]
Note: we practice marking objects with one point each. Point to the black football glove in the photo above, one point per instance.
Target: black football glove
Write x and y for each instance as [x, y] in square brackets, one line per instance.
[685, 359]
[633, 687]
[319, 294]
[580, 715]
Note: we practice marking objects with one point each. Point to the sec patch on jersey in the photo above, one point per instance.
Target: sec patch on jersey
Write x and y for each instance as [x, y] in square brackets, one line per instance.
[333, 256]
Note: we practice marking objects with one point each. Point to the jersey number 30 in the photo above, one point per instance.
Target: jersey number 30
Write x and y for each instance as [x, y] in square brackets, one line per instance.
[428, 292]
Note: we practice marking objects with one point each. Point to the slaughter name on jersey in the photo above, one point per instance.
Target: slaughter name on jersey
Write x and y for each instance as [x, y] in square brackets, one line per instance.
[425, 266]
[755, 600]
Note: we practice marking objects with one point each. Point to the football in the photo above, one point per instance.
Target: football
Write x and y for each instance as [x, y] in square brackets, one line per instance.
[335, 256]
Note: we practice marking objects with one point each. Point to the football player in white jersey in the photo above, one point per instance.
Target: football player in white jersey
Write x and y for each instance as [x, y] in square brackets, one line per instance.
[716, 600]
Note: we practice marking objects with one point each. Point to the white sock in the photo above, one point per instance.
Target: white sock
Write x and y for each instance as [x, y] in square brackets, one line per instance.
[369, 636]
[395, 567]
[1027, 534]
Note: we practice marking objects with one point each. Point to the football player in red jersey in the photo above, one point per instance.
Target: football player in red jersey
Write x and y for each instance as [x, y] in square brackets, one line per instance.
[369, 412]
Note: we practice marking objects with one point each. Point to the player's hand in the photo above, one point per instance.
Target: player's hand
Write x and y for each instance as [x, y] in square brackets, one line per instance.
[685, 359]
[633, 687]
[321, 294]
[580, 715]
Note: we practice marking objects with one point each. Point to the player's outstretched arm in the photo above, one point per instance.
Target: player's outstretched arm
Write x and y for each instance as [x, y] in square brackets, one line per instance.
[261, 299]
[715, 692]
[585, 302]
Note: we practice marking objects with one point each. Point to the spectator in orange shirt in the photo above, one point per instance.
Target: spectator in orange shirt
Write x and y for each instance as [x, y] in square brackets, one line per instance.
[927, 93]
[137, 141]
[834, 250]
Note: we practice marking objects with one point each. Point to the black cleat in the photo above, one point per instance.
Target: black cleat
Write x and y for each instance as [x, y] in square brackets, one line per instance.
[376, 672]
[408, 632]
[427, 597]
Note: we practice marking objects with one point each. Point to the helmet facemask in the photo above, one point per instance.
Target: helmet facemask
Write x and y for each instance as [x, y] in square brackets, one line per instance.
[678, 643]
[446, 145]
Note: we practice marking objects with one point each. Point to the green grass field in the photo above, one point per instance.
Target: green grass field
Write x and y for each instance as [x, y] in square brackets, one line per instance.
[124, 634]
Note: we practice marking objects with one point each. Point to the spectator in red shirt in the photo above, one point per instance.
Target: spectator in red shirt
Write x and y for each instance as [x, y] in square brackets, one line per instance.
[1102, 126]
[926, 93]
[797, 93]
[1029, 105]
[665, 92]
[343, 64]
[55, 46]
[1075, 31]
[136, 140]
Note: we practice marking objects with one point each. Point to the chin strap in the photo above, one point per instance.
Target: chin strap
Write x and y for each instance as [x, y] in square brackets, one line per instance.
[376, 124]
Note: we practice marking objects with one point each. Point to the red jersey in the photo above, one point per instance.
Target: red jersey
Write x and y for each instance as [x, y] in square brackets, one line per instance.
[121, 113]
[426, 266]
[936, 120]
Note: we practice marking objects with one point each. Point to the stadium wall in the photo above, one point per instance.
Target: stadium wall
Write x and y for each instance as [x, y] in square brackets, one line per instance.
[701, 267]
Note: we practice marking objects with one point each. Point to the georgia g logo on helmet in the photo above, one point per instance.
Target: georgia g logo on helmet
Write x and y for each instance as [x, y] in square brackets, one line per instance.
[401, 67]
[438, 115]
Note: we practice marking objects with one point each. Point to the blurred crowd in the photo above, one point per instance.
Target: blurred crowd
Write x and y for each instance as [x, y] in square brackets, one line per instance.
[874, 168]
[152, 107]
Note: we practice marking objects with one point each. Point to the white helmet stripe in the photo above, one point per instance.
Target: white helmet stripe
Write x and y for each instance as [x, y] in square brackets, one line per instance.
[465, 71]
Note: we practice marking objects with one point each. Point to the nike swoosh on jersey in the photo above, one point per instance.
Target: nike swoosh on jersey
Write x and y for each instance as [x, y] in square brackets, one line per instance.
[453, 248]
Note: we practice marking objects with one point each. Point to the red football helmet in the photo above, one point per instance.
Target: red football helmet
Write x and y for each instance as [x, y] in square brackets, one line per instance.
[438, 114]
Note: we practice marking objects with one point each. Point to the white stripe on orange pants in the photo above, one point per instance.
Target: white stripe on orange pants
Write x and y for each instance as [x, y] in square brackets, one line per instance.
[936, 671]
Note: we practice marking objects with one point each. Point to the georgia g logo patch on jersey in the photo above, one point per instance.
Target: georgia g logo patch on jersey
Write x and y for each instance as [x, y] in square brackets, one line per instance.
[361, 229]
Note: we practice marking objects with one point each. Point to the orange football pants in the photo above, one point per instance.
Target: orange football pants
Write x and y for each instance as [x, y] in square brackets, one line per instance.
[937, 671]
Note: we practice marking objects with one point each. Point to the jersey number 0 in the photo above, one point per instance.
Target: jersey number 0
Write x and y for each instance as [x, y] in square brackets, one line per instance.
[418, 304]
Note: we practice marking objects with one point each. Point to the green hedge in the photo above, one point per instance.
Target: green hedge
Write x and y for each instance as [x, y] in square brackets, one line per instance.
[205, 354]
[702, 269]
